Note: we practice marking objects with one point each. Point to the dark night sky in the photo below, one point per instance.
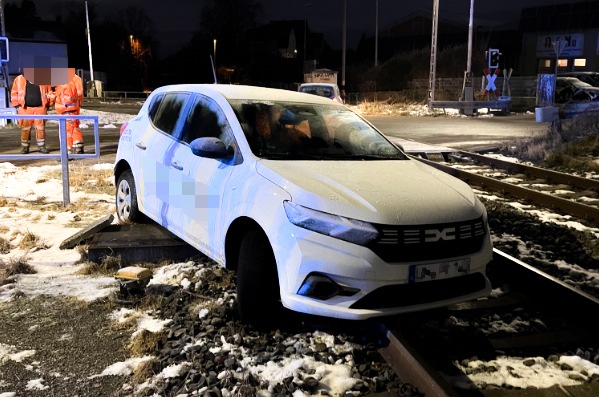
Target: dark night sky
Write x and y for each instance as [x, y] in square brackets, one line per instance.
[175, 20]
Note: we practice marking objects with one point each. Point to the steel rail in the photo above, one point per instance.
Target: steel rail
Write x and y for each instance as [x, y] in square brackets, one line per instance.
[550, 175]
[412, 367]
[566, 206]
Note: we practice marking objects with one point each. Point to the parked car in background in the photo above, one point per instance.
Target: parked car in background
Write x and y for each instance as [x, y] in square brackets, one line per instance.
[308, 202]
[326, 90]
[571, 89]
[591, 78]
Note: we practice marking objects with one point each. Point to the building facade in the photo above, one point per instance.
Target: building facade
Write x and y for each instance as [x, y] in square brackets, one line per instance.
[564, 35]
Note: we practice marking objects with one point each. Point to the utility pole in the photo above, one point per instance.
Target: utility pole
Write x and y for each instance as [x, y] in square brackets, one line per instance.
[433, 60]
[89, 46]
[470, 29]
[376, 34]
[343, 45]
[2, 18]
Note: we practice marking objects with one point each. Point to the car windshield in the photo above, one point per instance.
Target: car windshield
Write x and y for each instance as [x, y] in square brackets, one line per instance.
[303, 131]
[580, 84]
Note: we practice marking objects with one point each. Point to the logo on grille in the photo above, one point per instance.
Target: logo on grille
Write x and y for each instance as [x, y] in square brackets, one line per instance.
[432, 235]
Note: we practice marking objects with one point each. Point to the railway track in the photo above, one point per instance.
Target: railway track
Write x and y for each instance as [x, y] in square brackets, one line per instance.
[565, 193]
[434, 350]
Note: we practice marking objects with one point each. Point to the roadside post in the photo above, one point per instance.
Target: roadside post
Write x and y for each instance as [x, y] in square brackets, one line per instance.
[547, 110]
[558, 46]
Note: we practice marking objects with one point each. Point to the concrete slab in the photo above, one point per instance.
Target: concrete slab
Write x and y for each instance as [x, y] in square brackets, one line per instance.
[429, 152]
[87, 232]
[139, 243]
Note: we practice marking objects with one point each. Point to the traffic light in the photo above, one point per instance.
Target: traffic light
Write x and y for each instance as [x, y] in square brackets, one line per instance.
[493, 56]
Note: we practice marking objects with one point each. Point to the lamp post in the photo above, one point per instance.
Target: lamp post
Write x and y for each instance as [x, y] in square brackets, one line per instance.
[89, 45]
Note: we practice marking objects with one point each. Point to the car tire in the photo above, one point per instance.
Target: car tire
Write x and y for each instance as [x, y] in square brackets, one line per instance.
[126, 199]
[258, 295]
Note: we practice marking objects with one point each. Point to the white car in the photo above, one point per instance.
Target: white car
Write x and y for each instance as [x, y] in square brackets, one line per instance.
[326, 90]
[313, 207]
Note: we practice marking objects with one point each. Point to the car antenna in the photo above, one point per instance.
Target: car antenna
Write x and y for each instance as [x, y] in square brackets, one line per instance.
[213, 71]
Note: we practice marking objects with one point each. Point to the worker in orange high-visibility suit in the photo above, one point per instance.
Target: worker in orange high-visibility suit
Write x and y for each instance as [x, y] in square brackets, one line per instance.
[30, 99]
[68, 102]
[79, 85]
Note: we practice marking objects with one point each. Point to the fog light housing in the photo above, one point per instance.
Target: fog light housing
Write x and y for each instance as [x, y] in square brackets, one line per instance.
[321, 287]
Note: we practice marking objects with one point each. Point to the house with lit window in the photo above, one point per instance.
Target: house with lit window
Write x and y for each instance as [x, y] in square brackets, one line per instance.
[563, 34]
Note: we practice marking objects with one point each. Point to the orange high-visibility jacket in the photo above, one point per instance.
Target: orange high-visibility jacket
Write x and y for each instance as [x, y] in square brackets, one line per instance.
[79, 85]
[48, 93]
[67, 99]
[17, 92]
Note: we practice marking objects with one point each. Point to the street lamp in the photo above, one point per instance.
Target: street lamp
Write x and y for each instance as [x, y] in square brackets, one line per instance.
[214, 53]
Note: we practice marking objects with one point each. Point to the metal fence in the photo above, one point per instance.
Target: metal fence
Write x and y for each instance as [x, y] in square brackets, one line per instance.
[110, 95]
[64, 155]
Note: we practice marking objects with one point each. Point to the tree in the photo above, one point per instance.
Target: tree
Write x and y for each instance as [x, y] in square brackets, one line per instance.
[228, 21]
[141, 41]
[21, 21]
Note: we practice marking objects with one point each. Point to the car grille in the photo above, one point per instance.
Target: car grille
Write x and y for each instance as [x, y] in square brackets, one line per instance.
[404, 295]
[428, 242]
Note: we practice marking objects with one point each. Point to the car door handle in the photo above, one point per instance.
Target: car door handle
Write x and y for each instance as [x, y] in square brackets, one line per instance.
[176, 165]
[140, 145]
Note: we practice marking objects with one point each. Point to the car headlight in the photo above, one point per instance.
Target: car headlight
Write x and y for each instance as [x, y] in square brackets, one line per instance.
[351, 230]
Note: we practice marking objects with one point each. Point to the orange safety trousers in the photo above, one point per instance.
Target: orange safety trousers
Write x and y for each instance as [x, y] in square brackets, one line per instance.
[74, 135]
[38, 124]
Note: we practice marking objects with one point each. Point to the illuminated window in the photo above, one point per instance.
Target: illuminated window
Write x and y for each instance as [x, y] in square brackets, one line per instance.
[580, 62]
[544, 64]
[562, 63]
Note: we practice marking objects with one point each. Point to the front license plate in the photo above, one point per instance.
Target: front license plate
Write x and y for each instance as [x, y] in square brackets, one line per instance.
[439, 271]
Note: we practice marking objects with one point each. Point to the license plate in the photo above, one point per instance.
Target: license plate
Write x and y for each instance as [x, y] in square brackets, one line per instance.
[439, 271]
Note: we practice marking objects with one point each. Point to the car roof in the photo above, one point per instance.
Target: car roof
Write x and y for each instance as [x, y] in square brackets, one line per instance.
[241, 92]
[318, 84]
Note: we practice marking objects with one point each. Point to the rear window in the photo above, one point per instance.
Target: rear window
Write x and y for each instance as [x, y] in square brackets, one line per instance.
[319, 90]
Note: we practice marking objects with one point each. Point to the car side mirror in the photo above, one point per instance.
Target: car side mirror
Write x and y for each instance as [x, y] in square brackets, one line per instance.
[209, 147]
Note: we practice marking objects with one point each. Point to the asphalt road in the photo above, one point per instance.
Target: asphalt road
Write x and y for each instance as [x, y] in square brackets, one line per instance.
[468, 133]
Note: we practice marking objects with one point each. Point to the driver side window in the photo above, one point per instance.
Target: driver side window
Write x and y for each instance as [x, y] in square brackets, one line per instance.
[206, 119]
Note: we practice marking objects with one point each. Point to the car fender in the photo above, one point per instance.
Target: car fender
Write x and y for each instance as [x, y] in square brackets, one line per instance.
[260, 200]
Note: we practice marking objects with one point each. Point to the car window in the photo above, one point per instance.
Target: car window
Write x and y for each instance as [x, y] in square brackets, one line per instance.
[154, 105]
[206, 119]
[319, 90]
[168, 111]
[289, 131]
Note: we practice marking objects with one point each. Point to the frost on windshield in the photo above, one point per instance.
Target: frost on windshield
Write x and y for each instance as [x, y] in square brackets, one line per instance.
[284, 130]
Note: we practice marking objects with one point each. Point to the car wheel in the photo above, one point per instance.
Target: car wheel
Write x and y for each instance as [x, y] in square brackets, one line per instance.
[258, 296]
[126, 198]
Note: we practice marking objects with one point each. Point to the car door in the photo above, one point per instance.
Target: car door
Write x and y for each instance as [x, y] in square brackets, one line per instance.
[201, 182]
[154, 151]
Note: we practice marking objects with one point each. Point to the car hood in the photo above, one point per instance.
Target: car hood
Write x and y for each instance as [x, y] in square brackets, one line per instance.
[386, 192]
